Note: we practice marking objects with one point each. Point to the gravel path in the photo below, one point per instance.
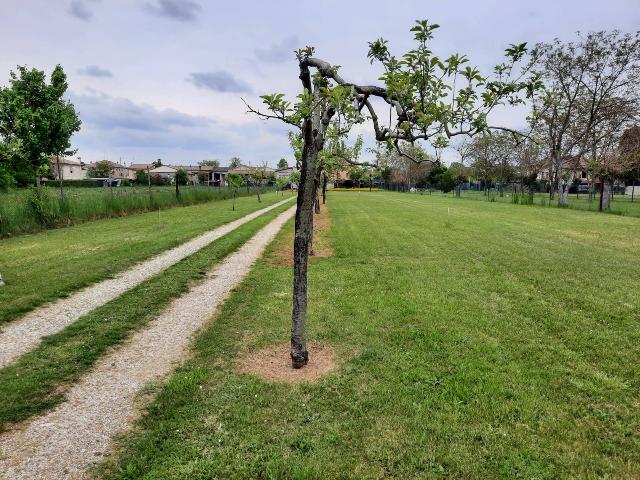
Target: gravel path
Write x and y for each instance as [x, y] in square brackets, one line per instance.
[66, 442]
[25, 334]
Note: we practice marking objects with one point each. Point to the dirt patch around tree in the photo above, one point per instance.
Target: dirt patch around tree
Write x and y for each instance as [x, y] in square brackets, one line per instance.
[273, 363]
[282, 254]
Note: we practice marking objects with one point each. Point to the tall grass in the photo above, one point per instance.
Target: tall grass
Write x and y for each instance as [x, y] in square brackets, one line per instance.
[31, 210]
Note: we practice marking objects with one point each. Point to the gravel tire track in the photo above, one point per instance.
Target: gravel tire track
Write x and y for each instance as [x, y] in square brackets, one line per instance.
[67, 441]
[26, 333]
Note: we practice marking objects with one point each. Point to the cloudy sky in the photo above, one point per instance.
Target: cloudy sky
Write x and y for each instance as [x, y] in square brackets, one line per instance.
[164, 78]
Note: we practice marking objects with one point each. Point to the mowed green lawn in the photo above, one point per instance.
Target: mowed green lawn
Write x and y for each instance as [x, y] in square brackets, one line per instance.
[500, 341]
[620, 204]
[51, 264]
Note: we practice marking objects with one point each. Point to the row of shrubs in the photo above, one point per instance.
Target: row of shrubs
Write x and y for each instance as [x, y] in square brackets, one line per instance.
[34, 209]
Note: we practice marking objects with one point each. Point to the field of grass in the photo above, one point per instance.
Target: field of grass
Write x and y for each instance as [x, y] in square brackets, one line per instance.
[19, 211]
[38, 380]
[476, 340]
[620, 205]
[48, 265]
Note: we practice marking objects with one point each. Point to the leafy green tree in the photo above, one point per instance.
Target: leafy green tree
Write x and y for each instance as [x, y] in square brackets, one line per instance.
[282, 163]
[430, 99]
[36, 122]
[234, 162]
[445, 180]
[7, 173]
[281, 183]
[182, 177]
[142, 177]
[357, 175]
[234, 181]
[101, 169]
[294, 178]
[209, 163]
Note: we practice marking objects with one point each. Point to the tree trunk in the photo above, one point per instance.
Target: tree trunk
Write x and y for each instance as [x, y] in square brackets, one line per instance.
[324, 189]
[301, 244]
[177, 187]
[563, 194]
[316, 192]
[258, 194]
[605, 195]
[234, 200]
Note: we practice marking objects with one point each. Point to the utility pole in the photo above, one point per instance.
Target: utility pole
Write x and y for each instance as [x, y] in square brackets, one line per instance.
[60, 178]
[149, 182]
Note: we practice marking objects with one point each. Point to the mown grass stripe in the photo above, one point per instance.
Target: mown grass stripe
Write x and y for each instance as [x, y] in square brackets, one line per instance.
[498, 345]
[49, 265]
[37, 380]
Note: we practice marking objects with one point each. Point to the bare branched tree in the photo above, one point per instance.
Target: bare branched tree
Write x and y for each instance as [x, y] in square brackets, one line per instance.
[588, 84]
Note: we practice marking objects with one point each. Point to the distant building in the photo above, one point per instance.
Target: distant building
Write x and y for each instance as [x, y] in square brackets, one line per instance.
[245, 170]
[204, 174]
[67, 168]
[164, 171]
[285, 173]
[218, 176]
[140, 166]
[118, 171]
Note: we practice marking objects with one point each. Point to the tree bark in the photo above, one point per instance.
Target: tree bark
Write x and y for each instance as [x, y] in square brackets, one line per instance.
[301, 245]
[177, 187]
[605, 195]
[563, 194]
[324, 189]
[313, 136]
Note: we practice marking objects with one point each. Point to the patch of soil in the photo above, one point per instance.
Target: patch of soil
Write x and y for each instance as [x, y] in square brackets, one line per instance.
[273, 363]
[282, 255]
[321, 226]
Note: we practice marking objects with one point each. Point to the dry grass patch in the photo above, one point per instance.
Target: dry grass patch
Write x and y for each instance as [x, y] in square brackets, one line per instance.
[282, 255]
[321, 225]
[273, 363]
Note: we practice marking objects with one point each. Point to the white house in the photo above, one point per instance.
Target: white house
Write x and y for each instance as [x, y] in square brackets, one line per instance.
[285, 172]
[68, 168]
[164, 171]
